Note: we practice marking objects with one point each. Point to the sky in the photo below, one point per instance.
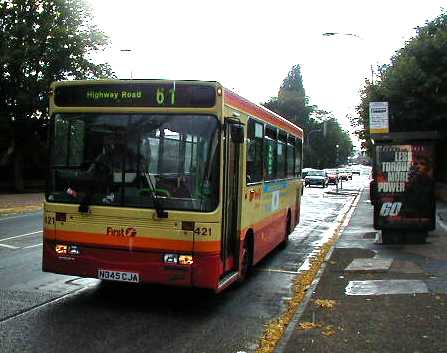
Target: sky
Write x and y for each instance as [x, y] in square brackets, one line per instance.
[250, 45]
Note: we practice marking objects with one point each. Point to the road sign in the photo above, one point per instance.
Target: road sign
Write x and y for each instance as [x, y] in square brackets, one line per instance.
[378, 118]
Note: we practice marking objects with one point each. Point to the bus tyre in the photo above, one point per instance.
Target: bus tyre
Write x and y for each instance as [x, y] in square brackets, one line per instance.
[246, 262]
[284, 243]
[392, 237]
[417, 237]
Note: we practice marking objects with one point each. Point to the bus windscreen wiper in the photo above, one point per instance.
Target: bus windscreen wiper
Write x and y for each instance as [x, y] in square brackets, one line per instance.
[161, 213]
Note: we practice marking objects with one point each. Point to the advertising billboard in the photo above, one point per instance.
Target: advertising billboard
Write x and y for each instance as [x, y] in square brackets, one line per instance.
[404, 186]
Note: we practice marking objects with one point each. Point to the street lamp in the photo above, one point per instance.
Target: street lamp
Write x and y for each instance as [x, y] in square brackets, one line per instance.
[128, 51]
[331, 34]
[336, 154]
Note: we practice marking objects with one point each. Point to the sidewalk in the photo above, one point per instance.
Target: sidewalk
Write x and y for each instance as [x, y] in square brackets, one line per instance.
[20, 203]
[352, 309]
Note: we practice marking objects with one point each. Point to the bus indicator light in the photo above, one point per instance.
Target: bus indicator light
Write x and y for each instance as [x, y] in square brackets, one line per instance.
[188, 226]
[61, 249]
[185, 260]
[61, 217]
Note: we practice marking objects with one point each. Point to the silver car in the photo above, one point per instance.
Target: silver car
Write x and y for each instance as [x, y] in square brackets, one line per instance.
[316, 177]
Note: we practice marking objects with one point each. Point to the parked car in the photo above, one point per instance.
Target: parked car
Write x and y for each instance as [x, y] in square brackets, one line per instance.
[316, 177]
[332, 176]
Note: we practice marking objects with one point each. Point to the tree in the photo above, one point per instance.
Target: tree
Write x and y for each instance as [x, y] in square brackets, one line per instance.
[414, 83]
[293, 104]
[40, 41]
[323, 151]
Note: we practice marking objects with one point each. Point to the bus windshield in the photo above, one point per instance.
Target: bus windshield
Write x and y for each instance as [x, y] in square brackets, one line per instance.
[135, 160]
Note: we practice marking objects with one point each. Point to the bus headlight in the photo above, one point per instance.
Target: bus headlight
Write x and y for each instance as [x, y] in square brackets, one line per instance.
[170, 258]
[178, 259]
[74, 250]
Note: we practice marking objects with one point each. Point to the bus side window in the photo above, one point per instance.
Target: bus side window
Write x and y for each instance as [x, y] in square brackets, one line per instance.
[255, 133]
[290, 156]
[281, 155]
[270, 153]
[298, 156]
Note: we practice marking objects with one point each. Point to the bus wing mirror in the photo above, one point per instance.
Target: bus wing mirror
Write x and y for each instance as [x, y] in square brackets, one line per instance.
[237, 133]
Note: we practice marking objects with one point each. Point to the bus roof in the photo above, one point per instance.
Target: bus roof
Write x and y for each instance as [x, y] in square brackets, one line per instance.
[236, 101]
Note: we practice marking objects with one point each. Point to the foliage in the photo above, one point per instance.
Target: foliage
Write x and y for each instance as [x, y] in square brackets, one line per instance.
[414, 83]
[292, 103]
[41, 41]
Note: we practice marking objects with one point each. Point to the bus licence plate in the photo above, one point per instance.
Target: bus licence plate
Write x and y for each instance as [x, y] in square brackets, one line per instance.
[118, 276]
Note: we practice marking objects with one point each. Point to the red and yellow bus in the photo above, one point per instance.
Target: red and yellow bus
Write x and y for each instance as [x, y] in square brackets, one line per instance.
[180, 183]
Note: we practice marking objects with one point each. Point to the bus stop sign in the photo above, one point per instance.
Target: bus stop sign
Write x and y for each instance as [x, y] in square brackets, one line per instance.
[378, 118]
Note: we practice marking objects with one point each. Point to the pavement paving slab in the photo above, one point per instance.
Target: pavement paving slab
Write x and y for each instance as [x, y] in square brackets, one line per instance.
[374, 264]
[414, 322]
[384, 287]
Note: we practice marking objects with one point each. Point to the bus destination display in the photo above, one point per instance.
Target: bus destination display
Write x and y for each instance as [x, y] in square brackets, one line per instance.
[135, 95]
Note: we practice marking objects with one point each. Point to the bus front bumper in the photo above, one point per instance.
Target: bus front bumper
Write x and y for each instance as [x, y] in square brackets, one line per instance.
[149, 266]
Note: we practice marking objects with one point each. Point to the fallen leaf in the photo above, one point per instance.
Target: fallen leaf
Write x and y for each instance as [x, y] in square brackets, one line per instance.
[328, 331]
[325, 303]
[308, 325]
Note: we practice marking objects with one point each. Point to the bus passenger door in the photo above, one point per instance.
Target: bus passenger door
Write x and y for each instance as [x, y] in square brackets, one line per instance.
[234, 137]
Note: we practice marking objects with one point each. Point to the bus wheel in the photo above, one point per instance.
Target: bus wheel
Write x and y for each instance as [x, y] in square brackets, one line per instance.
[246, 262]
[284, 243]
[392, 237]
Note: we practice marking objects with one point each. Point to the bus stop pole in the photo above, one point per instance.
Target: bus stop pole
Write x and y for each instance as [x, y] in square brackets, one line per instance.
[336, 181]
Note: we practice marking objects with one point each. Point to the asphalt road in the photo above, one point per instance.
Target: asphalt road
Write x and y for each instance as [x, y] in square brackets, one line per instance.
[41, 312]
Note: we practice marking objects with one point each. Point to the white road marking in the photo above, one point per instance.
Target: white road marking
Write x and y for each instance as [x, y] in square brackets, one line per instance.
[32, 246]
[9, 246]
[21, 235]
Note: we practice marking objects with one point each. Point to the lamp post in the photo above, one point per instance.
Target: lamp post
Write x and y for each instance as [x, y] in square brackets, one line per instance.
[128, 51]
[331, 34]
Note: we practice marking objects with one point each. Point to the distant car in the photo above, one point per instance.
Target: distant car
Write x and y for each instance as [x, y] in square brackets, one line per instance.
[356, 170]
[342, 174]
[316, 177]
[305, 171]
[349, 172]
[332, 176]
